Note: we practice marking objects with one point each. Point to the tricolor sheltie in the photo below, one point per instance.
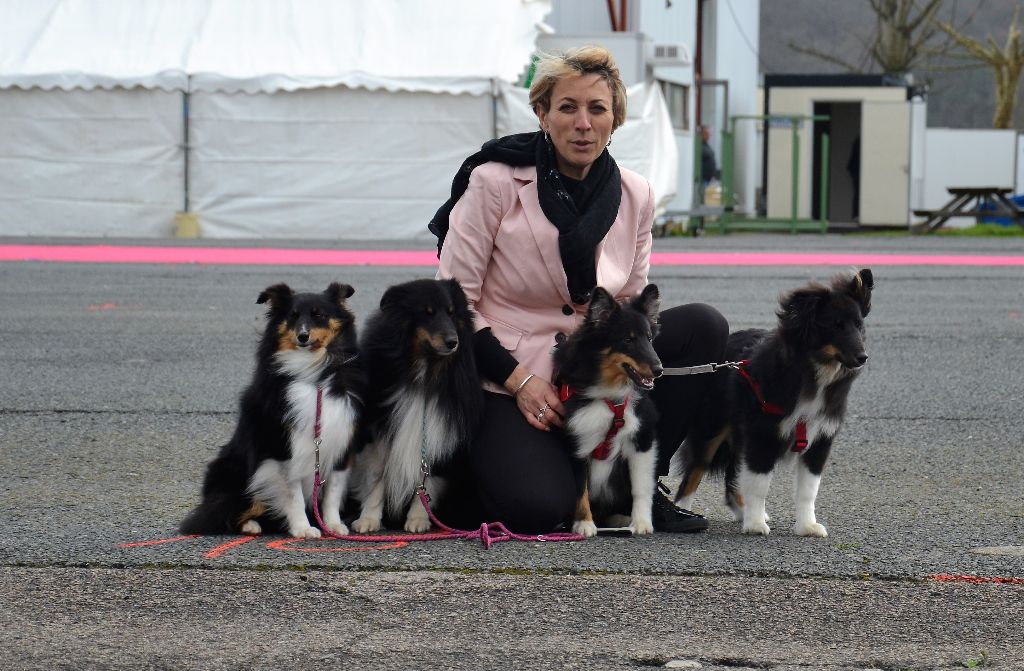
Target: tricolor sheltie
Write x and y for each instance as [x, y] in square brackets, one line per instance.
[424, 399]
[787, 402]
[262, 479]
[604, 369]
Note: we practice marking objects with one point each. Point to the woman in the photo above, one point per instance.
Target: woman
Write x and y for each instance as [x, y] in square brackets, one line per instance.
[535, 222]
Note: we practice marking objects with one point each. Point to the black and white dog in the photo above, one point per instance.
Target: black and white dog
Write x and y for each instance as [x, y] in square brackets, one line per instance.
[604, 369]
[788, 401]
[424, 401]
[262, 479]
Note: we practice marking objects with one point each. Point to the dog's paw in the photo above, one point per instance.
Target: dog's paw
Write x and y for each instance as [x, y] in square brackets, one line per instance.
[304, 532]
[337, 528]
[417, 525]
[365, 525]
[759, 528]
[642, 526]
[810, 529]
[251, 528]
[585, 528]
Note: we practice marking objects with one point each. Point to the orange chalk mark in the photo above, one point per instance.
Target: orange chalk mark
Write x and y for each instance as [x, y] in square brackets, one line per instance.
[281, 545]
[159, 542]
[975, 580]
[221, 549]
[102, 306]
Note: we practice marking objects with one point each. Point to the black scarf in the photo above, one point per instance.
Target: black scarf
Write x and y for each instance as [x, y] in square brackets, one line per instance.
[582, 222]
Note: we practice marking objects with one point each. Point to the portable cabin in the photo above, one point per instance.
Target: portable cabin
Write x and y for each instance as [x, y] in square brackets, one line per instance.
[873, 127]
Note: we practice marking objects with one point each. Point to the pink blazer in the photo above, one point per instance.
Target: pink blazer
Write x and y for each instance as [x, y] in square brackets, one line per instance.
[504, 252]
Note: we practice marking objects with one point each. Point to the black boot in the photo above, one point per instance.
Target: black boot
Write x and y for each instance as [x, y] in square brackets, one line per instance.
[670, 518]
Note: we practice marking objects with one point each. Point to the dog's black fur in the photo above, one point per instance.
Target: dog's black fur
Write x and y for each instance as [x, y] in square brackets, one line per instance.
[805, 367]
[610, 358]
[309, 340]
[419, 354]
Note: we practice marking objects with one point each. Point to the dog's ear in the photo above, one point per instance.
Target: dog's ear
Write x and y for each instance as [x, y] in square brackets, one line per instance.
[279, 296]
[337, 292]
[649, 302]
[797, 311]
[392, 296]
[456, 293]
[602, 306]
[860, 288]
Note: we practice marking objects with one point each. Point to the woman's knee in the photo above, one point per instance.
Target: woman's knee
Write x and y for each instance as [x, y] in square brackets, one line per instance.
[694, 328]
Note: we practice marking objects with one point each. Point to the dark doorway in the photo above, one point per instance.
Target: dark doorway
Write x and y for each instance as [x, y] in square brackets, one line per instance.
[843, 130]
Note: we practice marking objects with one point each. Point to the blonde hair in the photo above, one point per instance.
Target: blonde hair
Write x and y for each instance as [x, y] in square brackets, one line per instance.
[552, 68]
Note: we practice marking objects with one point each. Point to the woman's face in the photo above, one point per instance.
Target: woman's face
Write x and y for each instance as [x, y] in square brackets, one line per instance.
[579, 122]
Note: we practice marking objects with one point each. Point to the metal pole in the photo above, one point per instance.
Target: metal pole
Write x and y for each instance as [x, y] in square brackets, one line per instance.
[823, 215]
[186, 101]
[796, 176]
[728, 168]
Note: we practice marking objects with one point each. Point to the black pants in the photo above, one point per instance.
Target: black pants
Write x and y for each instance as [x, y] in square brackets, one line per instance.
[527, 479]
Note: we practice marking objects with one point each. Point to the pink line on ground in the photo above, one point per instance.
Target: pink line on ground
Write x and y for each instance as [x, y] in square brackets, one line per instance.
[368, 257]
[821, 259]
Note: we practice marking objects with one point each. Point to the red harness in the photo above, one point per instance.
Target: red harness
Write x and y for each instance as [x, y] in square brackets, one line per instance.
[604, 448]
[771, 409]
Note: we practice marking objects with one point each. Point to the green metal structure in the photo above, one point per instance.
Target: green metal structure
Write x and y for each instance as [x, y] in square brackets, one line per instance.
[729, 220]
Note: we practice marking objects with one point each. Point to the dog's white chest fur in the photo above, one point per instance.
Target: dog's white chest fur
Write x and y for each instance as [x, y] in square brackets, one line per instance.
[590, 425]
[337, 422]
[812, 409]
[417, 428]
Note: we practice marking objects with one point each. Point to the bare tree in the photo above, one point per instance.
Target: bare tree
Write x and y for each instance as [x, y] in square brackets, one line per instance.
[904, 38]
[1006, 62]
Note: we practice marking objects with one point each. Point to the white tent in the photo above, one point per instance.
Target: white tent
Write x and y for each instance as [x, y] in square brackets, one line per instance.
[268, 118]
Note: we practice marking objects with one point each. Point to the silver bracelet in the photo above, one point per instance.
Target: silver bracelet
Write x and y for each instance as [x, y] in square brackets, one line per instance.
[522, 384]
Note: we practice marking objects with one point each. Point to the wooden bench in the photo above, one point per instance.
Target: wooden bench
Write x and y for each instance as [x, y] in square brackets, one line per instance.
[966, 201]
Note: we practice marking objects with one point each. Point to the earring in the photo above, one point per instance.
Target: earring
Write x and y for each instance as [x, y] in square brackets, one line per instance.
[547, 138]
[609, 141]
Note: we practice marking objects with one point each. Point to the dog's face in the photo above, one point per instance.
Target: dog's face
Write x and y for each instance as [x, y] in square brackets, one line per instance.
[828, 321]
[435, 312]
[308, 321]
[623, 334]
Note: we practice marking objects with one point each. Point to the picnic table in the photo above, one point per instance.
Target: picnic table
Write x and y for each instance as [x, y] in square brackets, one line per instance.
[967, 201]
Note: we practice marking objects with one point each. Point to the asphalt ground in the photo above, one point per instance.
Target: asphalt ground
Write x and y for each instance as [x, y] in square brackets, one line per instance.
[119, 382]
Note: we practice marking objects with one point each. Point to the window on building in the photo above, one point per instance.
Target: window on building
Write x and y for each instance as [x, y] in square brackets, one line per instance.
[677, 98]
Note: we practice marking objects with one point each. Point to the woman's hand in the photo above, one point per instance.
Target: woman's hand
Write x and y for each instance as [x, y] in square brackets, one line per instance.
[537, 399]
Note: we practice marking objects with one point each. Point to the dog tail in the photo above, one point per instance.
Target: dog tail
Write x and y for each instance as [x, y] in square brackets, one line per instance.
[225, 504]
[677, 466]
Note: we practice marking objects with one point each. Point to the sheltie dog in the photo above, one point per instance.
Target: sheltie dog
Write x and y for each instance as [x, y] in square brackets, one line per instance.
[262, 479]
[423, 403]
[786, 402]
[603, 370]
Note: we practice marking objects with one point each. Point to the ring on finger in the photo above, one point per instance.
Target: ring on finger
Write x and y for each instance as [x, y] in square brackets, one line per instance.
[540, 415]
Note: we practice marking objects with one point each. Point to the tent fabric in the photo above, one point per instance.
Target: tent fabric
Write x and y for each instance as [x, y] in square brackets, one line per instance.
[90, 163]
[331, 163]
[319, 119]
[262, 46]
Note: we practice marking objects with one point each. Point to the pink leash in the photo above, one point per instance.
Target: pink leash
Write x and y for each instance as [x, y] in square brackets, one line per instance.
[488, 533]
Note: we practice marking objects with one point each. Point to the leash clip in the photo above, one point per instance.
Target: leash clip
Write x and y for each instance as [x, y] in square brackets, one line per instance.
[425, 470]
[316, 443]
